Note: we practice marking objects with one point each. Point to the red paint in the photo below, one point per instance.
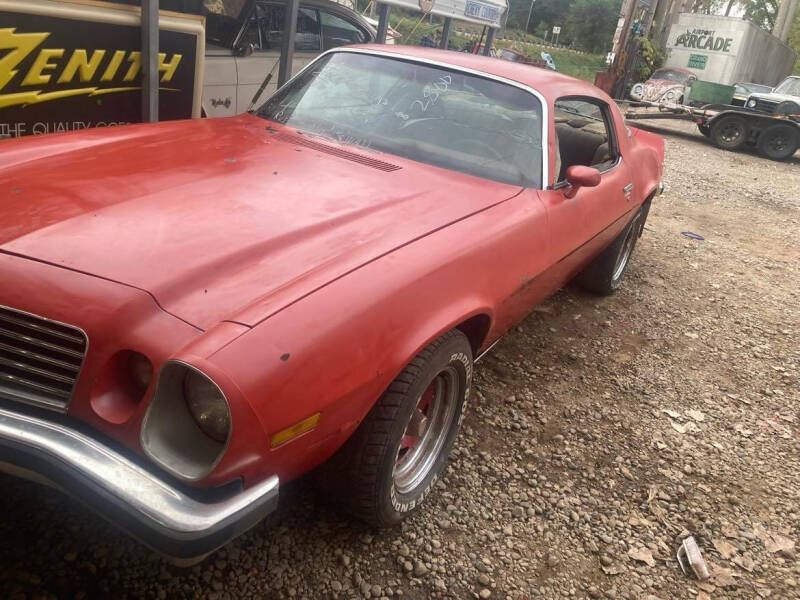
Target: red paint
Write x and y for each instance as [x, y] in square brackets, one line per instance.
[298, 280]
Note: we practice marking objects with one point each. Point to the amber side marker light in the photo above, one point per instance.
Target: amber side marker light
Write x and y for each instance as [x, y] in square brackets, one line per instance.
[284, 435]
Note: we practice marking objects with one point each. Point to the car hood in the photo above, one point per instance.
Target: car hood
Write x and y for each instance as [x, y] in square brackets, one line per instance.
[773, 97]
[220, 219]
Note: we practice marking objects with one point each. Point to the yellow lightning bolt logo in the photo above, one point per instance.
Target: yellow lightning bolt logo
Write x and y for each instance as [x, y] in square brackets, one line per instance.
[20, 45]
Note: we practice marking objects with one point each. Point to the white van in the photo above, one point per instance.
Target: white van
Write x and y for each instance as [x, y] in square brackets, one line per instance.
[242, 51]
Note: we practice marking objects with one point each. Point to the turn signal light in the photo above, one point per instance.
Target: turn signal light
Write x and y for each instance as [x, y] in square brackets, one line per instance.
[291, 432]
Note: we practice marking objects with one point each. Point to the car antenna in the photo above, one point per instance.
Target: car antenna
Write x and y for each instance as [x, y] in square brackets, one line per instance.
[263, 85]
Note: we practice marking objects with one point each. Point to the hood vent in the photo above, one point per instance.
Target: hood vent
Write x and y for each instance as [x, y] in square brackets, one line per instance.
[298, 140]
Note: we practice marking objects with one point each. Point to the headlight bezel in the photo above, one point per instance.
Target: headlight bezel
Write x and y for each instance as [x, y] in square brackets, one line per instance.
[170, 434]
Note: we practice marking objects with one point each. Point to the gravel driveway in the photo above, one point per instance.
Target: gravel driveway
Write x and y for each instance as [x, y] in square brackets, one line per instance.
[601, 432]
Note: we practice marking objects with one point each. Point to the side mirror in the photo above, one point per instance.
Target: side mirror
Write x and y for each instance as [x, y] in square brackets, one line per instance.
[244, 50]
[579, 176]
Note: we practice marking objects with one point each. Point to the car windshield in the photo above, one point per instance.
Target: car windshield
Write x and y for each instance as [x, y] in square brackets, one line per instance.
[789, 86]
[430, 114]
[750, 88]
[670, 75]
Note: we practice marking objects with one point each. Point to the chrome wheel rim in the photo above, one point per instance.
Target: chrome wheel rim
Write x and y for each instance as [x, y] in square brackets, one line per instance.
[625, 251]
[426, 431]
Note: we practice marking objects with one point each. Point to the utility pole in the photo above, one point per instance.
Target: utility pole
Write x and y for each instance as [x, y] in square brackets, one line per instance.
[149, 59]
[530, 11]
[784, 18]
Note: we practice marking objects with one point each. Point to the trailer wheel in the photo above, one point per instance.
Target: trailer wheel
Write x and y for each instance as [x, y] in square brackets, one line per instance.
[778, 142]
[729, 133]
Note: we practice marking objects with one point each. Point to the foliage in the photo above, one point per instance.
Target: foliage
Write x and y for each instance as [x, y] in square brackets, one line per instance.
[761, 12]
[591, 23]
[651, 58]
[585, 24]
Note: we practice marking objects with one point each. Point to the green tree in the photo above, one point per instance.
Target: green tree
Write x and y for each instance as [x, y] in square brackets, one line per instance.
[590, 23]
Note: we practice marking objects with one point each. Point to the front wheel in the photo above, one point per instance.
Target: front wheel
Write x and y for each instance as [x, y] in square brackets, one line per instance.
[390, 464]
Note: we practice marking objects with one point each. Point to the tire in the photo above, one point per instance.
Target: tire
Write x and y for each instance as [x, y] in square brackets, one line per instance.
[392, 461]
[778, 142]
[729, 133]
[604, 274]
[704, 129]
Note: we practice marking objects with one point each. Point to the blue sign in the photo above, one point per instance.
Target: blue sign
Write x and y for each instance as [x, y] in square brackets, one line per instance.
[484, 12]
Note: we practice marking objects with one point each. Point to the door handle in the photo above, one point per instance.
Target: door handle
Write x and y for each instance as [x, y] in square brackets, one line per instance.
[628, 188]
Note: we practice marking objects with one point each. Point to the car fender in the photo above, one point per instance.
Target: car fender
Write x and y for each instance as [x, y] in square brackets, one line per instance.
[336, 350]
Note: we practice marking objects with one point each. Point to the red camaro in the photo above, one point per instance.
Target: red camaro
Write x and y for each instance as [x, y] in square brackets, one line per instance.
[191, 312]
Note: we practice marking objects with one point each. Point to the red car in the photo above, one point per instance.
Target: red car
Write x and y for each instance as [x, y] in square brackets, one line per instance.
[195, 311]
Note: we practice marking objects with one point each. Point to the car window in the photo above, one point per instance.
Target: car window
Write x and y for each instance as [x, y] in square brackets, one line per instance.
[265, 28]
[584, 135]
[670, 75]
[789, 86]
[336, 31]
[435, 115]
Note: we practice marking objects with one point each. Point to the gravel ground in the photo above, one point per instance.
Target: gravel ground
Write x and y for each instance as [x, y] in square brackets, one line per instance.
[602, 431]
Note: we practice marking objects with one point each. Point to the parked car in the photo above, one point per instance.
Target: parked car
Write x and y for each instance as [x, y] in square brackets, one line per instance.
[741, 91]
[242, 49]
[784, 99]
[667, 84]
[517, 56]
[194, 311]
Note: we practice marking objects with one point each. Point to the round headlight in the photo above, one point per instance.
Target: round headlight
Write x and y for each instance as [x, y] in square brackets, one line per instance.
[751, 103]
[669, 95]
[207, 405]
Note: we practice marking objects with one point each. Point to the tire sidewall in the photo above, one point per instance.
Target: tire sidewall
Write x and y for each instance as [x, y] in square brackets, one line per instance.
[636, 223]
[717, 128]
[770, 132]
[394, 505]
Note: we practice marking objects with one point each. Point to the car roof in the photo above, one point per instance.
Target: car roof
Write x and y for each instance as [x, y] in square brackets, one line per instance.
[547, 82]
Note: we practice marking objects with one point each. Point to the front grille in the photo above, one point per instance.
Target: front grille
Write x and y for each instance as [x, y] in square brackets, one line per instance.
[40, 359]
[767, 106]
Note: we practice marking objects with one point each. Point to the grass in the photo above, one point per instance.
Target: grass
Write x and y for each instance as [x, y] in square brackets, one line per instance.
[578, 64]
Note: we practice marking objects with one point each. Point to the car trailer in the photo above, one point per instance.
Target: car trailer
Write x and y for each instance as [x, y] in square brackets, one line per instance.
[775, 136]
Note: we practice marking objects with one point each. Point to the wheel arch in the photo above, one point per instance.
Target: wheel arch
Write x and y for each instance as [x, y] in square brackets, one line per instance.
[476, 328]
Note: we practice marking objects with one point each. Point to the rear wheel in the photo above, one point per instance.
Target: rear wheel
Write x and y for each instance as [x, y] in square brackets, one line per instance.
[604, 274]
[729, 133]
[778, 142]
[390, 464]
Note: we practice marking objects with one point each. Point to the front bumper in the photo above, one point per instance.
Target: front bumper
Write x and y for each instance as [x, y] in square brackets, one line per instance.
[147, 506]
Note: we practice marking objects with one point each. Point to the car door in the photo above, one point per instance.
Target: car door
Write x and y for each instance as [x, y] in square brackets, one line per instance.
[264, 30]
[581, 226]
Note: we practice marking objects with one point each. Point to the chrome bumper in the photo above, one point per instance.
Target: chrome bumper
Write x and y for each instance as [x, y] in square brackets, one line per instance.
[146, 505]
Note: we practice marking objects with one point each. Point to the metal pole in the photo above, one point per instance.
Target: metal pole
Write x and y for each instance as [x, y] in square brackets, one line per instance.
[445, 33]
[287, 43]
[149, 61]
[487, 48]
[383, 23]
[530, 11]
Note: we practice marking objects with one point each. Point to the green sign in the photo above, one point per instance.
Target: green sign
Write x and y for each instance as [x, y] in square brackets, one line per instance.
[697, 61]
